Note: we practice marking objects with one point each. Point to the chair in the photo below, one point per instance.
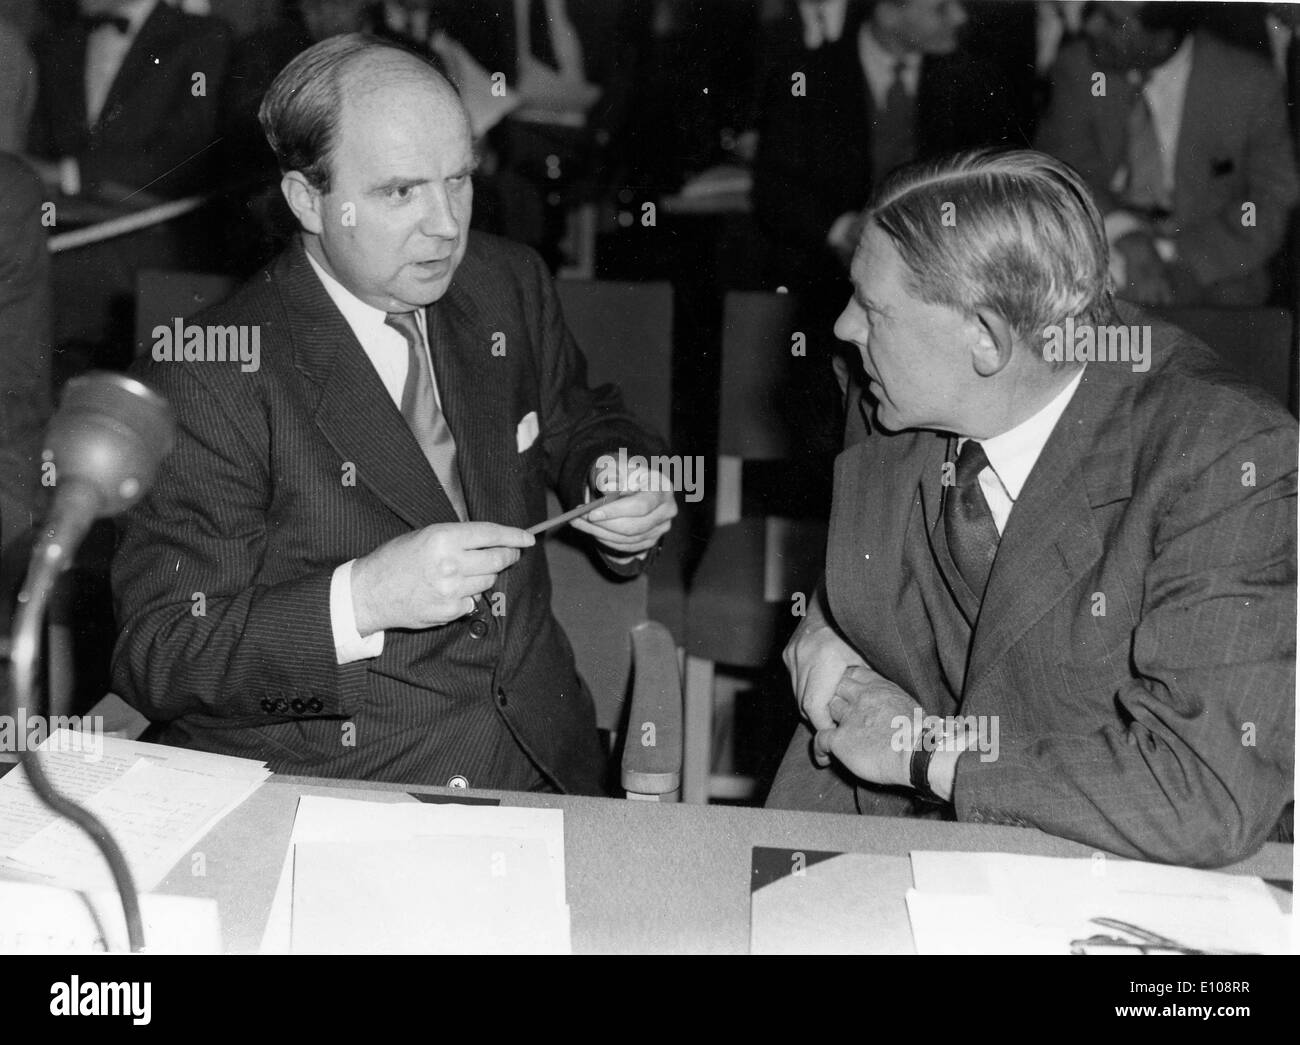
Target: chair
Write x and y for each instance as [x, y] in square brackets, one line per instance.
[163, 295]
[628, 662]
[1258, 343]
[741, 604]
[625, 331]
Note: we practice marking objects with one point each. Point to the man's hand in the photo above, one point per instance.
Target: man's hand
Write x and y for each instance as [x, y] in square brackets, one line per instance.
[1148, 279]
[817, 658]
[866, 737]
[429, 577]
[634, 524]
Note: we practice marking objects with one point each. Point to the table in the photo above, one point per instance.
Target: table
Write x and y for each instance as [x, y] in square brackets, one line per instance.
[642, 877]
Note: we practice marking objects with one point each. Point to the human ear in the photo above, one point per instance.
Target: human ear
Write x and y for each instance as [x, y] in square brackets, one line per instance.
[992, 344]
[304, 200]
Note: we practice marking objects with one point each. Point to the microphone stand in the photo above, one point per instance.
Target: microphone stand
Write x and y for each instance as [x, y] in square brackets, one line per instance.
[74, 512]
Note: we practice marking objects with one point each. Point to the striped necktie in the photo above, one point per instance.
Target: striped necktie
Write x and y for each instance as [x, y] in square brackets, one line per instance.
[422, 413]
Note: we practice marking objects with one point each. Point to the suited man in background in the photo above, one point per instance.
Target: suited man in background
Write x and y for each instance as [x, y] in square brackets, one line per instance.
[122, 107]
[881, 84]
[125, 115]
[351, 510]
[847, 91]
[1085, 570]
[1187, 150]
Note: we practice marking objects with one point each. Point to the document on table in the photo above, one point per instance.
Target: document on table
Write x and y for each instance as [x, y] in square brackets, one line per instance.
[806, 901]
[46, 919]
[407, 877]
[156, 801]
[999, 903]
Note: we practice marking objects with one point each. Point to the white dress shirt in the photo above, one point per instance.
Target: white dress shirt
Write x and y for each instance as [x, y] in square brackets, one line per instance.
[822, 22]
[878, 67]
[106, 49]
[389, 352]
[1013, 454]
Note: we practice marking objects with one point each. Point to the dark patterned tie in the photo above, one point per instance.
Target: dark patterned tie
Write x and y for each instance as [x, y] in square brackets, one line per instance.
[422, 413]
[895, 129]
[1146, 170]
[968, 524]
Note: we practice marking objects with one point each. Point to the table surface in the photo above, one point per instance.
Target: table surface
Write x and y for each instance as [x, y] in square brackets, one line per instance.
[643, 877]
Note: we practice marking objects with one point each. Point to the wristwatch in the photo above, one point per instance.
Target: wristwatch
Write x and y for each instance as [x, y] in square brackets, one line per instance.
[919, 766]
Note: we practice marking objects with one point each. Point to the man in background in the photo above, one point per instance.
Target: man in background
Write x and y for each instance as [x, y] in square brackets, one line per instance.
[1184, 141]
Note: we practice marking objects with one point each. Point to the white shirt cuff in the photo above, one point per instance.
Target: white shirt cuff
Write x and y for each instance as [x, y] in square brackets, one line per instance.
[349, 645]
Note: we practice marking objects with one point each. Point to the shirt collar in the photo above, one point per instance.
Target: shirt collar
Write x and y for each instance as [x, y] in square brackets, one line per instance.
[364, 319]
[1013, 454]
[136, 12]
[1171, 74]
[879, 64]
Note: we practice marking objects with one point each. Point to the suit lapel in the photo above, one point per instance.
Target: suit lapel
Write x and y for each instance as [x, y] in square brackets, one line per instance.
[138, 62]
[1051, 540]
[354, 411]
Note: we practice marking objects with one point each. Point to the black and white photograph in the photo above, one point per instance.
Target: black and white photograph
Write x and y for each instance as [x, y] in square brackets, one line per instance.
[648, 477]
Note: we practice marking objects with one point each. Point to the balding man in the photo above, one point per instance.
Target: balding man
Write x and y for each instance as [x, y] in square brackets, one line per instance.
[1061, 575]
[332, 573]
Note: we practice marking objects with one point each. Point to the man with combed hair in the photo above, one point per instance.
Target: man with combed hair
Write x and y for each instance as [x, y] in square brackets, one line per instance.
[332, 572]
[1093, 561]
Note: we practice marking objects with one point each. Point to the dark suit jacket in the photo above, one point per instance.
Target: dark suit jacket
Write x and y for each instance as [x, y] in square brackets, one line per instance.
[24, 348]
[153, 130]
[255, 509]
[1158, 724]
[1233, 147]
[814, 152]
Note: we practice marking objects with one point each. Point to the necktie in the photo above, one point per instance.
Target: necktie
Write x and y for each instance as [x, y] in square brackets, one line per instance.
[968, 524]
[895, 135]
[1146, 170]
[420, 408]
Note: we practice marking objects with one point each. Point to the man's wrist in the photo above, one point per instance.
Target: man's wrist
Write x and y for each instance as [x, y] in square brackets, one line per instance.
[932, 762]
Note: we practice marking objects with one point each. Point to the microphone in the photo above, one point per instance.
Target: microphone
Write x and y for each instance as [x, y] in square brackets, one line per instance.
[104, 444]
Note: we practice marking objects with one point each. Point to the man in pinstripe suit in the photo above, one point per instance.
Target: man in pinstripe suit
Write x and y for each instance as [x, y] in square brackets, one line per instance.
[1087, 560]
[315, 581]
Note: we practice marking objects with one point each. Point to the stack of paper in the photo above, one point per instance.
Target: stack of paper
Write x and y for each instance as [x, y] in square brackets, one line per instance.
[384, 878]
[44, 919]
[156, 801]
[998, 903]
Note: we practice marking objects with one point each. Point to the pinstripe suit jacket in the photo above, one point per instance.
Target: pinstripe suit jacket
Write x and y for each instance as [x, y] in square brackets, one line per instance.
[257, 506]
[1136, 642]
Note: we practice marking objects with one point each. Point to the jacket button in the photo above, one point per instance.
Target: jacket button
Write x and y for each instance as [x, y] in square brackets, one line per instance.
[268, 705]
[315, 705]
[281, 705]
[478, 627]
[298, 706]
[501, 698]
[458, 782]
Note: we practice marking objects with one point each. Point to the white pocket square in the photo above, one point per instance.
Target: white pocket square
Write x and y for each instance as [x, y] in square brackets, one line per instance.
[526, 433]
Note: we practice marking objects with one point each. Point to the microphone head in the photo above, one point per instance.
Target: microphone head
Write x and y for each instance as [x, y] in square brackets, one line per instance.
[110, 433]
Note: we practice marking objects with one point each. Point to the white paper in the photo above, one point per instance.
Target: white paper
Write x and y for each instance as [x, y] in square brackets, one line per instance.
[998, 903]
[155, 814]
[334, 820]
[43, 919]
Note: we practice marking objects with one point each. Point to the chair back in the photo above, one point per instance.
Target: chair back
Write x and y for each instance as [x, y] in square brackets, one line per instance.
[164, 295]
[626, 332]
[1260, 344]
